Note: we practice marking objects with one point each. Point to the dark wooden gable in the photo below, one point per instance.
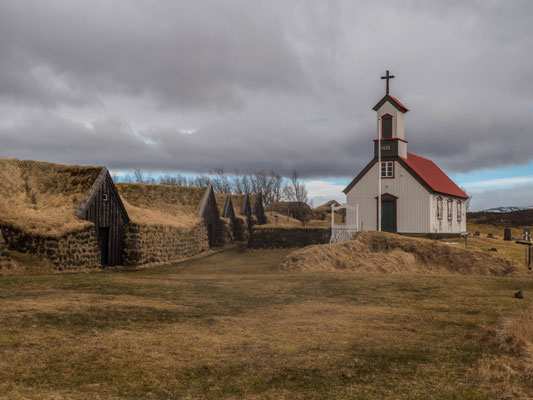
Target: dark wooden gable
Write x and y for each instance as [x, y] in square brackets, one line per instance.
[246, 208]
[259, 210]
[209, 212]
[228, 211]
[104, 208]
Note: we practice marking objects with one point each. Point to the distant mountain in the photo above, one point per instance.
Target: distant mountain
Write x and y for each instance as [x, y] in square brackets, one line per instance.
[506, 209]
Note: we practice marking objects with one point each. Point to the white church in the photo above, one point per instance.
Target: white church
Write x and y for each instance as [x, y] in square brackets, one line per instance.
[417, 197]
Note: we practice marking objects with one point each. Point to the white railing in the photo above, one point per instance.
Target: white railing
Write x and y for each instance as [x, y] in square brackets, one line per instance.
[341, 233]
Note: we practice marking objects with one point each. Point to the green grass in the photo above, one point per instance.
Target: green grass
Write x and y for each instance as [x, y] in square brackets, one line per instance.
[234, 326]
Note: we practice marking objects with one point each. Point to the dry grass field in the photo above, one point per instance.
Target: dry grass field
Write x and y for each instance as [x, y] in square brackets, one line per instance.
[233, 325]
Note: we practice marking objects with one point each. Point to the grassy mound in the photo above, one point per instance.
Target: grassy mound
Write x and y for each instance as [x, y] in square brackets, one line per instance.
[388, 253]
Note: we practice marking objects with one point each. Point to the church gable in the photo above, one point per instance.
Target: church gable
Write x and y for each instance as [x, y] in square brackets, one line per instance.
[393, 101]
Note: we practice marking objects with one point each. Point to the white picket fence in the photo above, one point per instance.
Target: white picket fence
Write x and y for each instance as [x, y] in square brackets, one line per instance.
[341, 233]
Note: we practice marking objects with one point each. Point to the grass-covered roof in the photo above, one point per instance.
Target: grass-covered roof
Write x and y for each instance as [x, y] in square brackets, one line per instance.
[42, 198]
[161, 204]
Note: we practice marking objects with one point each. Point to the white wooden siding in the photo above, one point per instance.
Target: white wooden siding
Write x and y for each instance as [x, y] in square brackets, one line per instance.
[444, 225]
[413, 203]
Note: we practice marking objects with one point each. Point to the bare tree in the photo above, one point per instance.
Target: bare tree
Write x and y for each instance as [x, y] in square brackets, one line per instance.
[241, 183]
[174, 180]
[467, 200]
[294, 189]
[138, 175]
[276, 189]
[220, 181]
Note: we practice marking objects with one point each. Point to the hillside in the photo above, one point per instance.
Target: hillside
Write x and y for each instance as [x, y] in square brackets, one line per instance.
[521, 218]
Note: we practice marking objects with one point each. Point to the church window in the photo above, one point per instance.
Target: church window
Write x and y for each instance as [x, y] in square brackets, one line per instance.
[459, 210]
[439, 208]
[387, 169]
[450, 209]
[386, 126]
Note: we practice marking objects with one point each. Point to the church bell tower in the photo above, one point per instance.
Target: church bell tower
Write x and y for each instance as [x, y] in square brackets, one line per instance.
[390, 118]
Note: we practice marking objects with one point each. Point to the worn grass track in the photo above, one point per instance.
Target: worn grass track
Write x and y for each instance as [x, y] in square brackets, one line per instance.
[234, 326]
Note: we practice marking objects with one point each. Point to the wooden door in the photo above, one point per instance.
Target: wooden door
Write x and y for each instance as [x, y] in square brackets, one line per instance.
[388, 215]
[103, 244]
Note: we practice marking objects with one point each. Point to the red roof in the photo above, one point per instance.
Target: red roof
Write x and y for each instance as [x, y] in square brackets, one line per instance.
[394, 101]
[433, 176]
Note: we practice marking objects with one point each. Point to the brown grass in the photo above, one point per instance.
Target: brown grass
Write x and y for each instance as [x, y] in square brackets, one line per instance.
[42, 198]
[384, 252]
[510, 374]
[233, 326]
[161, 204]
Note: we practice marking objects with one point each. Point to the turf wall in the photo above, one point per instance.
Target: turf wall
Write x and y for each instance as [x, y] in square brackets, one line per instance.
[264, 238]
[74, 250]
[5, 261]
[241, 233]
[225, 233]
[145, 244]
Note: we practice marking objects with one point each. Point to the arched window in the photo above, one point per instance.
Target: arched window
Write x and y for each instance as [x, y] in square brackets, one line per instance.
[386, 126]
[439, 207]
[459, 210]
[450, 209]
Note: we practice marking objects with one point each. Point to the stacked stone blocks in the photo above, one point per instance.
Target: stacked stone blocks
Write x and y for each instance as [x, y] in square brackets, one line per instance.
[74, 250]
[145, 244]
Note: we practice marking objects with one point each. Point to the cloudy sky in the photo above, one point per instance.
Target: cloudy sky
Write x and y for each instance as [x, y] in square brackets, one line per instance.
[172, 85]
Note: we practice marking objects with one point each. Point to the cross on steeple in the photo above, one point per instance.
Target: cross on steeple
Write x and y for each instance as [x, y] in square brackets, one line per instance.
[387, 77]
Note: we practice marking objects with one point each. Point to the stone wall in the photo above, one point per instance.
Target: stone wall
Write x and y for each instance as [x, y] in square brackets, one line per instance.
[241, 232]
[264, 238]
[225, 232]
[145, 244]
[75, 250]
[5, 260]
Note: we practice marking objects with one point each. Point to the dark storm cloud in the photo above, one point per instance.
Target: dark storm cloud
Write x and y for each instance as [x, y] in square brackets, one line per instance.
[115, 144]
[276, 84]
[183, 53]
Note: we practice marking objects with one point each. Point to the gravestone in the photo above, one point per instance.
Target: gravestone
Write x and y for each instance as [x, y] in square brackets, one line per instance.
[507, 235]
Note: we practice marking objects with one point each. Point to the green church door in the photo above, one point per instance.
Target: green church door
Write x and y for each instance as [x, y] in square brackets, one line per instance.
[388, 213]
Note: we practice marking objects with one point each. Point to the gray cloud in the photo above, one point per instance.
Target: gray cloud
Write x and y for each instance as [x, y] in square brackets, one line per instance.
[521, 195]
[266, 84]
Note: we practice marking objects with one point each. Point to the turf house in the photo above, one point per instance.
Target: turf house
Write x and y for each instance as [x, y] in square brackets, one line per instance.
[237, 212]
[66, 217]
[416, 196]
[259, 210]
[168, 223]
[61, 216]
